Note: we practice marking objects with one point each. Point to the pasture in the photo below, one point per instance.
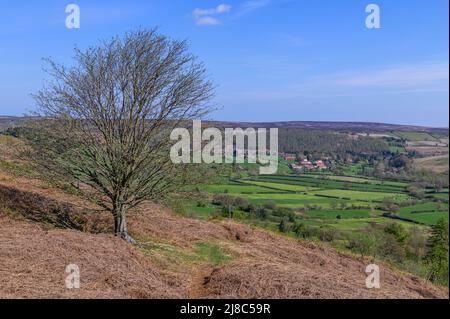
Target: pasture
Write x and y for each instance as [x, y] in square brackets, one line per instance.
[346, 203]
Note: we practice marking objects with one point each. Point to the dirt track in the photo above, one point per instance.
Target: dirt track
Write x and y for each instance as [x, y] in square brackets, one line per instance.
[33, 257]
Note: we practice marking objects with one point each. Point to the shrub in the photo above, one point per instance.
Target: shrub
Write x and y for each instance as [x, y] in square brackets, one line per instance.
[364, 244]
[398, 231]
[283, 226]
[218, 199]
[241, 203]
[327, 234]
[304, 231]
[285, 212]
[201, 203]
[261, 213]
[436, 257]
[270, 205]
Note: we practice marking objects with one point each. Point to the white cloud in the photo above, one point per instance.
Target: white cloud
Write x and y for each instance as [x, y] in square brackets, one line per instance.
[207, 21]
[399, 76]
[251, 5]
[223, 8]
[405, 79]
[205, 16]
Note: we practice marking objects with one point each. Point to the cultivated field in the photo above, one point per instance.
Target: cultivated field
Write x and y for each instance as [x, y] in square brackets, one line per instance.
[344, 202]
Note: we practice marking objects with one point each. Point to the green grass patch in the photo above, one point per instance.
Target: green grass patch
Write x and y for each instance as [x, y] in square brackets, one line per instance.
[344, 214]
[397, 149]
[362, 196]
[425, 213]
[280, 186]
[356, 179]
[236, 189]
[15, 168]
[296, 201]
[326, 182]
[212, 253]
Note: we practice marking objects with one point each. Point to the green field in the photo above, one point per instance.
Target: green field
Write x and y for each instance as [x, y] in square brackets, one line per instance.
[357, 224]
[297, 201]
[280, 186]
[236, 189]
[397, 149]
[329, 183]
[426, 213]
[443, 196]
[346, 203]
[416, 136]
[361, 196]
[343, 214]
[355, 179]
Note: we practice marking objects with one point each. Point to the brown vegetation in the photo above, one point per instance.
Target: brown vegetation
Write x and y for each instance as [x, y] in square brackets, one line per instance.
[34, 252]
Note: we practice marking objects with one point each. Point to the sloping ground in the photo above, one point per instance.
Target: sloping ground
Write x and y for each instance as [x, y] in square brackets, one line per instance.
[35, 251]
[437, 164]
[33, 263]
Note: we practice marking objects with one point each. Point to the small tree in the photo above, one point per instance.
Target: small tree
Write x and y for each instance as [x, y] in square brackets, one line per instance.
[437, 251]
[398, 231]
[261, 213]
[228, 205]
[390, 206]
[363, 244]
[283, 226]
[334, 205]
[106, 121]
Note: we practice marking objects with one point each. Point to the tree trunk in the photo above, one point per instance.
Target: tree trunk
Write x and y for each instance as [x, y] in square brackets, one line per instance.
[120, 226]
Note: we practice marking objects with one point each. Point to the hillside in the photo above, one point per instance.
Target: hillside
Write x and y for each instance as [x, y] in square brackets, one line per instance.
[339, 126]
[183, 258]
[13, 121]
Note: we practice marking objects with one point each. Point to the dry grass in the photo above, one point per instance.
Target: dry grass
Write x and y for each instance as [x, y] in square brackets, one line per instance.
[438, 164]
[428, 150]
[262, 265]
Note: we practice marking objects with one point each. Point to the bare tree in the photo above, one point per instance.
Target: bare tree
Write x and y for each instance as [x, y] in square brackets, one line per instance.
[105, 122]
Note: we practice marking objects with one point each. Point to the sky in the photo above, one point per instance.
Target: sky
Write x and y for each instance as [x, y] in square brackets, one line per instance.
[271, 60]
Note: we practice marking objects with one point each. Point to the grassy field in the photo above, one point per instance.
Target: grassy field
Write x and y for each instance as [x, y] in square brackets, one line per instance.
[416, 136]
[397, 149]
[346, 203]
[329, 183]
[357, 224]
[236, 189]
[426, 213]
[361, 196]
[280, 186]
[339, 214]
[355, 179]
[297, 201]
[434, 163]
[443, 196]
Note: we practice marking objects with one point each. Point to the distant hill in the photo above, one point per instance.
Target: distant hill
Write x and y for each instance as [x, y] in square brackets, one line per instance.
[357, 127]
[12, 121]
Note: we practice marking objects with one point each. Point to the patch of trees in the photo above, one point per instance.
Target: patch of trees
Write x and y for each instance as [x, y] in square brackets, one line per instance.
[401, 167]
[233, 207]
[408, 248]
[336, 145]
[436, 258]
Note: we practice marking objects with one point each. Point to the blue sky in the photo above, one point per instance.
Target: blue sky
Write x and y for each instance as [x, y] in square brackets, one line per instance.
[272, 60]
